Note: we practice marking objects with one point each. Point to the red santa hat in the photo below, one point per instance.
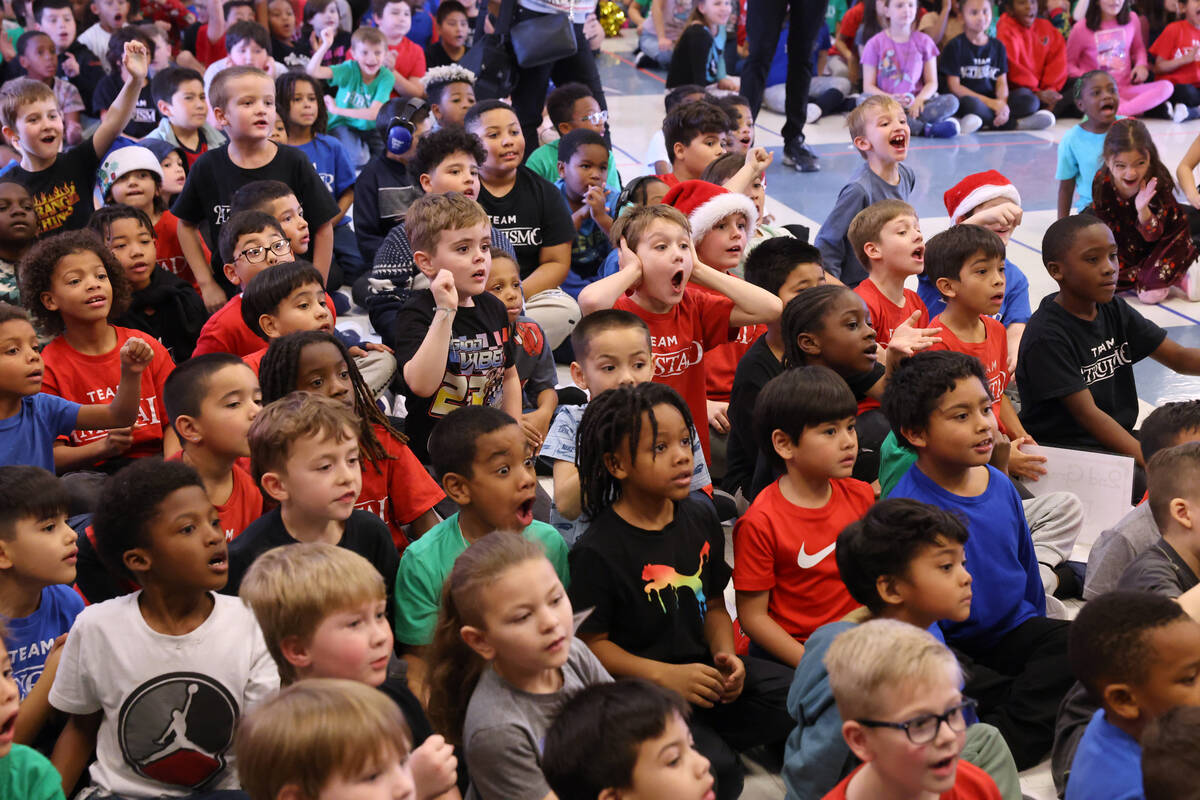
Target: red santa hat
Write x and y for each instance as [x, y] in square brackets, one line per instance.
[975, 190]
[706, 204]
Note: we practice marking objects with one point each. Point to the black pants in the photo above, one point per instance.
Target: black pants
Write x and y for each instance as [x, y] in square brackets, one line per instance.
[758, 717]
[1187, 94]
[529, 95]
[1019, 684]
[1021, 103]
[763, 22]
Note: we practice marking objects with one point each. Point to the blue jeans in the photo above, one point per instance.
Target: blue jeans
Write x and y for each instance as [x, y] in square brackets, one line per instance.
[937, 108]
[359, 144]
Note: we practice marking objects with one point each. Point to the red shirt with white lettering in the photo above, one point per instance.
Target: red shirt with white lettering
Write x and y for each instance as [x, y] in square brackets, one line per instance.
[992, 352]
[678, 341]
[970, 783]
[168, 253]
[94, 379]
[787, 550]
[243, 506]
[886, 316]
[397, 489]
[226, 332]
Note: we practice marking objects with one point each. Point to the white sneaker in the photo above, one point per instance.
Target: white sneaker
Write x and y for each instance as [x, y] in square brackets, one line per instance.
[814, 113]
[1037, 121]
[1190, 285]
[969, 123]
[1179, 113]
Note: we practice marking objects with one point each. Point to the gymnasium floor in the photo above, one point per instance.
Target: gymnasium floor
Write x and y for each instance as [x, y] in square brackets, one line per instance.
[635, 100]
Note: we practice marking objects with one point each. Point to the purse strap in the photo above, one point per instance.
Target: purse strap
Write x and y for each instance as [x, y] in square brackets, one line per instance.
[503, 21]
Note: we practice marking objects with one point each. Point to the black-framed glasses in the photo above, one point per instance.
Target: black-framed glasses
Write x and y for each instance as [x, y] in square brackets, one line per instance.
[924, 729]
[254, 255]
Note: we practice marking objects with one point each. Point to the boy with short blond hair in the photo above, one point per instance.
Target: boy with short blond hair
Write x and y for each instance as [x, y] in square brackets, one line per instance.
[452, 338]
[364, 84]
[879, 131]
[886, 237]
[883, 673]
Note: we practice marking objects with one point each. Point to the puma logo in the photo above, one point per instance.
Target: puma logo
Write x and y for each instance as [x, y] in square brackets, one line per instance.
[807, 561]
[662, 576]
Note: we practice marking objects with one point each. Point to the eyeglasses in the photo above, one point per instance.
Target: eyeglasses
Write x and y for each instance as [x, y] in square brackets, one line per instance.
[924, 729]
[596, 117]
[254, 255]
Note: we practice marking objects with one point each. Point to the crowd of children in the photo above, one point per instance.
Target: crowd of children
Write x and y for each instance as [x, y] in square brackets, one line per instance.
[248, 553]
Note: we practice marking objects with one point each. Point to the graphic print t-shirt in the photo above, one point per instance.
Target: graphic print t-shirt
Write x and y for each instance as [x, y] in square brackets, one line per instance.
[62, 193]
[532, 215]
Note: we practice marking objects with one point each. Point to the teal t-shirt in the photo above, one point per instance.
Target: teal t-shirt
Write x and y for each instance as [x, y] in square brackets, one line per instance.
[29, 775]
[427, 562]
[544, 161]
[894, 461]
[353, 93]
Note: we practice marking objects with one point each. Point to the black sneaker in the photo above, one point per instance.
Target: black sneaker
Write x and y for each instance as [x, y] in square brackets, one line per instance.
[800, 156]
[644, 61]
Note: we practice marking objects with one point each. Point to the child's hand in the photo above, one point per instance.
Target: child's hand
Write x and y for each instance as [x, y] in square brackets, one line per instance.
[1142, 199]
[445, 293]
[380, 346]
[1001, 114]
[758, 159]
[331, 105]
[1049, 97]
[733, 673]
[355, 351]
[136, 355]
[916, 107]
[390, 59]
[532, 434]
[1024, 465]
[213, 296]
[699, 684]
[434, 767]
[908, 339]
[628, 260]
[327, 35]
[718, 416]
[70, 66]
[117, 441]
[1139, 73]
[594, 198]
[1005, 215]
[136, 60]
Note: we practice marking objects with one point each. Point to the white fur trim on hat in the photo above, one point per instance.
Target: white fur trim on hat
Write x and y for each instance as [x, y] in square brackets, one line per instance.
[705, 217]
[983, 194]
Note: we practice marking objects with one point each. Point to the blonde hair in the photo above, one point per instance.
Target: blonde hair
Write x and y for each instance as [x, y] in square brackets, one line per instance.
[21, 92]
[433, 214]
[218, 91]
[292, 589]
[881, 654]
[456, 667]
[856, 120]
[295, 416]
[368, 35]
[633, 224]
[315, 731]
[868, 223]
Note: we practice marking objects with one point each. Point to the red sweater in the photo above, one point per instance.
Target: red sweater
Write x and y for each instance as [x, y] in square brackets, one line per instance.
[1037, 56]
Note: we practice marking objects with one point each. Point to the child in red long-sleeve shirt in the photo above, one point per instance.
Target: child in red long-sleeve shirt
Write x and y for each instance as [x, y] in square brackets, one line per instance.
[1037, 52]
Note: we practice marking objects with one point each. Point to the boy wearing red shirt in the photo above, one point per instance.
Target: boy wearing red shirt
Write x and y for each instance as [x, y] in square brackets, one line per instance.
[404, 56]
[1174, 54]
[211, 401]
[886, 237]
[785, 576]
[1037, 52]
[657, 261]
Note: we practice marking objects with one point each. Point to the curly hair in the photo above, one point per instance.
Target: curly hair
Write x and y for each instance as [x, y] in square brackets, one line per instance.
[436, 147]
[36, 275]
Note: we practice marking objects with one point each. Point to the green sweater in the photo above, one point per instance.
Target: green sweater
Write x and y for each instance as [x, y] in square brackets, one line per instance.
[544, 161]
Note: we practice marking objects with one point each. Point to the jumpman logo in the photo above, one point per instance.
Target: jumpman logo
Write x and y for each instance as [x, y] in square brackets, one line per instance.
[177, 730]
[663, 576]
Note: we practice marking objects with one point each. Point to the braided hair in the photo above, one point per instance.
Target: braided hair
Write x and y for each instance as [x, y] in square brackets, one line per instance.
[612, 421]
[278, 374]
[804, 313]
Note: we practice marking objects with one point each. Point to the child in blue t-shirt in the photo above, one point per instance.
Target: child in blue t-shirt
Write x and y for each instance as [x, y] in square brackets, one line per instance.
[363, 85]
[1079, 152]
[24, 772]
[583, 166]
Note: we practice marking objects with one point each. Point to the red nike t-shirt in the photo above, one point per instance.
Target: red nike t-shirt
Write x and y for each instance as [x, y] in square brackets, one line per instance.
[787, 550]
[400, 490]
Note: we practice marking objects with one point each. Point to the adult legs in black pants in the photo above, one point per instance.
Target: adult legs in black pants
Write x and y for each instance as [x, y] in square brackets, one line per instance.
[763, 23]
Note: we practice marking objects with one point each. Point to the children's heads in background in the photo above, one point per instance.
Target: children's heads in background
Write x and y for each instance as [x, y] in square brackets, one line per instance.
[644, 190]
[251, 241]
[279, 200]
[904, 559]
[828, 325]
[805, 423]
[368, 47]
[18, 218]
[879, 129]
[483, 461]
[115, 54]
[448, 160]
[721, 221]
[1097, 97]
[1170, 763]
[450, 90]
[974, 195]
[211, 400]
[139, 528]
[55, 19]
[72, 278]
[454, 28]
[887, 236]
[248, 45]
[1172, 476]
[178, 94]
[1080, 254]
[1168, 425]
[237, 11]
[420, 118]
[741, 131]
[694, 134]
[1131, 157]
[281, 20]
[976, 16]
[243, 103]
[129, 234]
[612, 348]
[628, 739]
[940, 406]
[286, 299]
[661, 238]
[493, 578]
[20, 359]
[132, 176]
[784, 266]
[323, 613]
[320, 15]
[37, 546]
[496, 124]
[1023, 11]
[394, 18]
[1129, 649]
[33, 124]
[173, 163]
[583, 158]
[299, 102]
[728, 165]
[451, 232]
[36, 54]
[111, 14]
[572, 106]
[323, 738]
[634, 440]
[882, 673]
[504, 281]
[1106, 10]
[966, 264]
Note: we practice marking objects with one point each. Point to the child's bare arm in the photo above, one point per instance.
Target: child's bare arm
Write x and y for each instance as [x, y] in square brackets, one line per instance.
[751, 304]
[1103, 428]
[137, 63]
[718, 631]
[757, 161]
[764, 631]
[869, 71]
[74, 747]
[418, 671]
[696, 683]
[344, 202]
[566, 489]
[554, 262]
[543, 414]
[1066, 193]
[605, 292]
[216, 21]
[1176, 357]
[314, 67]
[193, 250]
[511, 397]
[116, 442]
[370, 112]
[322, 249]
[36, 708]
[410, 87]
[425, 370]
[122, 412]
[1185, 173]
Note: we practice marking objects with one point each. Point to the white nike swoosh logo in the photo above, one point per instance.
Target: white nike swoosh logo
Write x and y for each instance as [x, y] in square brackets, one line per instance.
[807, 561]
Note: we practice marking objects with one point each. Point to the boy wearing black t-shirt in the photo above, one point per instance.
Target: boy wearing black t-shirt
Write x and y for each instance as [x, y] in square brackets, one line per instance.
[452, 338]
[974, 68]
[243, 101]
[61, 184]
[1075, 367]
